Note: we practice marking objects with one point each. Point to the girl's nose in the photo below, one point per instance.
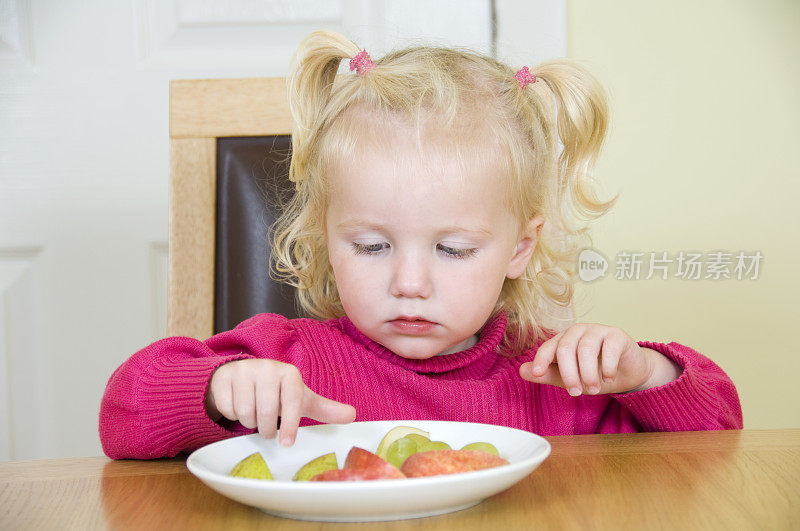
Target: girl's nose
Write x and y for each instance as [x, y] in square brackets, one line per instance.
[411, 278]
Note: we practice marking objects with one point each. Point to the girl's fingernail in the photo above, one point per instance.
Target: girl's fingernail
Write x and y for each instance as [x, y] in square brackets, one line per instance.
[574, 391]
[285, 441]
[607, 379]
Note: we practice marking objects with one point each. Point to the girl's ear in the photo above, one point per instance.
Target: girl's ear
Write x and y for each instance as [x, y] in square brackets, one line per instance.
[525, 247]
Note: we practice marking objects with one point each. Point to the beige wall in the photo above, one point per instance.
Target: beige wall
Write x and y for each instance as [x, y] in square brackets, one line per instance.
[704, 149]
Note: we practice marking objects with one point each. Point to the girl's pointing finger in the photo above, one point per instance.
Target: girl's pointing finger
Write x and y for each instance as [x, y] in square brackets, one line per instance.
[326, 410]
[544, 355]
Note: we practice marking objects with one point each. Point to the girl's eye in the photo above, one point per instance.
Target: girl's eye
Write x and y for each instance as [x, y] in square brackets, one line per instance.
[375, 248]
[456, 253]
[370, 248]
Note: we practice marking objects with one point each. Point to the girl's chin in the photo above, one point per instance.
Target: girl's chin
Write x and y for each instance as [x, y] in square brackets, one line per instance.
[415, 355]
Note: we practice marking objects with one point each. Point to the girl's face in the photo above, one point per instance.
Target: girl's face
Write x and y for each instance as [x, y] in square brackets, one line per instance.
[420, 250]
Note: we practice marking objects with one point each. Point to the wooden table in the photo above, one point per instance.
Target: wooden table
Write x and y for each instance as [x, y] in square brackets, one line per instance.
[689, 480]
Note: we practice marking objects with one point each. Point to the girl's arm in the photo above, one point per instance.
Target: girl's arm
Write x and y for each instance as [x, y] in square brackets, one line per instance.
[154, 403]
[664, 387]
[703, 397]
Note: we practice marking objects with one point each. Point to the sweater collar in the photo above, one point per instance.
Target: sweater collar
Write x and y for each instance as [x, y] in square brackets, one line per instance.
[473, 362]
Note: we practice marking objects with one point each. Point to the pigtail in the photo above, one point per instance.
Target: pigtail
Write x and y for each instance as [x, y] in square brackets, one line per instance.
[582, 123]
[565, 103]
[309, 82]
[299, 255]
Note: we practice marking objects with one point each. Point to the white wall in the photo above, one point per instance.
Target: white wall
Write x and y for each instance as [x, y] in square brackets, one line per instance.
[84, 170]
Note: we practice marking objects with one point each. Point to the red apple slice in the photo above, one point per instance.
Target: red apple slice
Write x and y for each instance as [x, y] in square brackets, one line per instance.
[366, 461]
[345, 474]
[438, 462]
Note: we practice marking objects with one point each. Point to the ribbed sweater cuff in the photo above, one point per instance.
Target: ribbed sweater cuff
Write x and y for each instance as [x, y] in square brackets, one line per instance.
[172, 401]
[687, 403]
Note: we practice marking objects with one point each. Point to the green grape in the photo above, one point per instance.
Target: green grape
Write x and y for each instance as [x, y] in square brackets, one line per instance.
[420, 440]
[400, 450]
[435, 445]
[486, 447]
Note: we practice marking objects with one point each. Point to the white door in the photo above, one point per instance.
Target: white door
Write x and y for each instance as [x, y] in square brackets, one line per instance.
[84, 169]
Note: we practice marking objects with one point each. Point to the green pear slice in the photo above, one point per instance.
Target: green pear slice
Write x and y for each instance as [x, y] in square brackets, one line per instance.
[253, 466]
[397, 433]
[486, 447]
[316, 466]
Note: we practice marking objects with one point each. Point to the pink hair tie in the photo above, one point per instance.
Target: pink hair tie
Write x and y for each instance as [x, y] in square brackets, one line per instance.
[361, 63]
[524, 76]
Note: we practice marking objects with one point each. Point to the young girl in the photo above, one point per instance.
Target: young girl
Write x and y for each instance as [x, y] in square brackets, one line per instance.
[432, 235]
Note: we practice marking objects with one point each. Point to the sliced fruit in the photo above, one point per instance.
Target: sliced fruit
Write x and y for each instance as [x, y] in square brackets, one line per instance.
[366, 461]
[397, 433]
[316, 466]
[253, 466]
[438, 462]
[400, 450]
[421, 440]
[433, 445]
[345, 474]
[486, 447]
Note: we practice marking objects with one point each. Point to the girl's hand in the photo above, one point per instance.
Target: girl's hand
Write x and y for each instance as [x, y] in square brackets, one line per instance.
[597, 359]
[256, 391]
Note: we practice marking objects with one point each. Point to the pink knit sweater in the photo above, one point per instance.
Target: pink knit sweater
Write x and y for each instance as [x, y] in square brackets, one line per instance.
[153, 405]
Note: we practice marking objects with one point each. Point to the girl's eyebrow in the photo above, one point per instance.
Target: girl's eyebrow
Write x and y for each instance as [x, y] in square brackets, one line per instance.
[362, 224]
[359, 224]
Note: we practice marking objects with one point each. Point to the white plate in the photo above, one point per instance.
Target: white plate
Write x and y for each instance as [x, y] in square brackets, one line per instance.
[365, 501]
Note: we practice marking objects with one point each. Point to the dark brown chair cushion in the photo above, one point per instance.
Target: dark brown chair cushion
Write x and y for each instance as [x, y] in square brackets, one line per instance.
[252, 178]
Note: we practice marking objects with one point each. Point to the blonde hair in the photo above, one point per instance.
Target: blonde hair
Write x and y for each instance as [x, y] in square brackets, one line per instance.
[479, 102]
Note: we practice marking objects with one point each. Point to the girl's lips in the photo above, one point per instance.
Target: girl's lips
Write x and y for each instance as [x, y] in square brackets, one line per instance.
[416, 327]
